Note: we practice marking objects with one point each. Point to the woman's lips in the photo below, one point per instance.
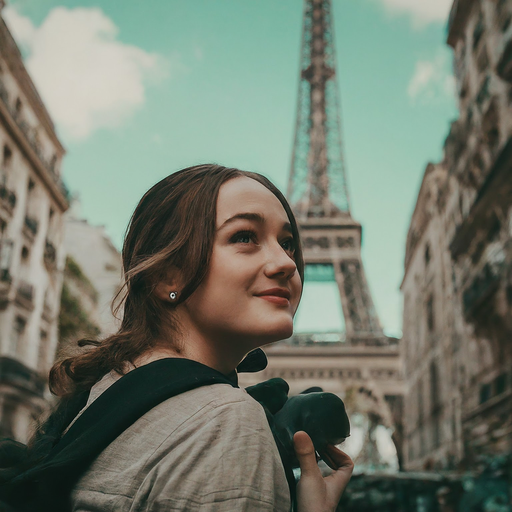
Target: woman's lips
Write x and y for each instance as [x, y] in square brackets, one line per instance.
[280, 301]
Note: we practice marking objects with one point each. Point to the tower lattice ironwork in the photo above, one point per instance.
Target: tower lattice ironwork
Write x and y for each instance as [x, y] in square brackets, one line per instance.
[317, 186]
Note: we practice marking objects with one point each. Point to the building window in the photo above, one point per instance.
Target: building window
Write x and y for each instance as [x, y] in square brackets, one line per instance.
[5, 257]
[436, 430]
[420, 402]
[25, 253]
[435, 404]
[18, 330]
[500, 384]
[430, 314]
[485, 393]
[490, 127]
[43, 351]
[434, 386]
[7, 155]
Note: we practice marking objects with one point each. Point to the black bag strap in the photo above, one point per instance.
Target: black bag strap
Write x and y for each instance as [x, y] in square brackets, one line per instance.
[49, 484]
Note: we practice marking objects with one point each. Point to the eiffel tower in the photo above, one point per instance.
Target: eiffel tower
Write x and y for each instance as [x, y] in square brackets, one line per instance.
[317, 186]
[351, 357]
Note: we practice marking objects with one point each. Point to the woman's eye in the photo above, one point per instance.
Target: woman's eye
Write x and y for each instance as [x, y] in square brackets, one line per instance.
[243, 237]
[288, 245]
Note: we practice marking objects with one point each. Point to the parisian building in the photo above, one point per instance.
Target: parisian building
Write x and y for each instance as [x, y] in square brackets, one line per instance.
[92, 249]
[33, 200]
[457, 285]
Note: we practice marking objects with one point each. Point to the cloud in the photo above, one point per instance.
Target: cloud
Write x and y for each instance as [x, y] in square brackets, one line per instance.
[432, 80]
[86, 76]
[421, 12]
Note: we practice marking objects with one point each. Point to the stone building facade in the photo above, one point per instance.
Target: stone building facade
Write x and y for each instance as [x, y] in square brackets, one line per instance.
[432, 330]
[93, 250]
[457, 285]
[32, 203]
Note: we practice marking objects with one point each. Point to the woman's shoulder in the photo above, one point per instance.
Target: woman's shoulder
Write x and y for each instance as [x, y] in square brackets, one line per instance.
[212, 400]
[185, 438]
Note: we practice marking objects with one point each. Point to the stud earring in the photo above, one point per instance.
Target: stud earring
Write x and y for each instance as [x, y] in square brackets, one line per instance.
[173, 295]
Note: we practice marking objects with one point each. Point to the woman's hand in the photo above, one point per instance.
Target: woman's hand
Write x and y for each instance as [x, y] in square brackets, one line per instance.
[314, 492]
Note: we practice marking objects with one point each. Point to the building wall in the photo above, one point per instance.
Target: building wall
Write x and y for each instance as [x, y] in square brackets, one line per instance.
[431, 333]
[32, 203]
[481, 36]
[457, 307]
[93, 250]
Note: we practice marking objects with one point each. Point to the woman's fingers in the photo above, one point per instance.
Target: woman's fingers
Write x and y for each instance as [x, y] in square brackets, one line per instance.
[314, 492]
[305, 452]
[341, 459]
[341, 477]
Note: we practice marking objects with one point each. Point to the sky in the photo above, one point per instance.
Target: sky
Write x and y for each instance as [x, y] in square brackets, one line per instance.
[138, 90]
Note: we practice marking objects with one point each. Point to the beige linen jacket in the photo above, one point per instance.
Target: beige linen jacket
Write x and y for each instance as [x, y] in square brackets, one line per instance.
[209, 449]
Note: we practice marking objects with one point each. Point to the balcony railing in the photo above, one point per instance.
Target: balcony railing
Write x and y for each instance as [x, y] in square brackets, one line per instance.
[14, 373]
[30, 227]
[495, 193]
[30, 136]
[5, 287]
[25, 295]
[486, 281]
[6, 247]
[333, 339]
[50, 255]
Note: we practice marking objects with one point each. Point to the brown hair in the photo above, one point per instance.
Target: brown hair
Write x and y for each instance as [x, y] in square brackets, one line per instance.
[173, 226]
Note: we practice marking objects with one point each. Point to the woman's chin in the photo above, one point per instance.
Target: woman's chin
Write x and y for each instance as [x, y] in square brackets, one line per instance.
[282, 332]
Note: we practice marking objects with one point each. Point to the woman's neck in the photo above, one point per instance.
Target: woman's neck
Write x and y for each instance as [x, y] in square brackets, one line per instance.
[197, 350]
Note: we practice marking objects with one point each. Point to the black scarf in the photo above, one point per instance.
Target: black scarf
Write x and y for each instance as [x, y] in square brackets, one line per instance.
[47, 486]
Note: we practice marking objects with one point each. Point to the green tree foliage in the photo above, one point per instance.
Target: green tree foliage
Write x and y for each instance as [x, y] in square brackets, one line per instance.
[73, 320]
[74, 271]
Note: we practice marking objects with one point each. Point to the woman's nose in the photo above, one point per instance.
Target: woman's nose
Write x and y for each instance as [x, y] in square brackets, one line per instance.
[280, 263]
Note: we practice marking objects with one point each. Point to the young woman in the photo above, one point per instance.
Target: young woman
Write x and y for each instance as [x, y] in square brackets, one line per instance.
[213, 269]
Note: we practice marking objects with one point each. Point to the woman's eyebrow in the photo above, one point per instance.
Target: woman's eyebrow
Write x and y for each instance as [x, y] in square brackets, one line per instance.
[257, 217]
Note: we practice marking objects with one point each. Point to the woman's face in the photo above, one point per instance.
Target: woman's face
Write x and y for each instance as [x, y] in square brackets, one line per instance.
[252, 288]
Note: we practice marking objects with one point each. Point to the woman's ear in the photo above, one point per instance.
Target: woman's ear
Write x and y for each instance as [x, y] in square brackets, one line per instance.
[168, 287]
